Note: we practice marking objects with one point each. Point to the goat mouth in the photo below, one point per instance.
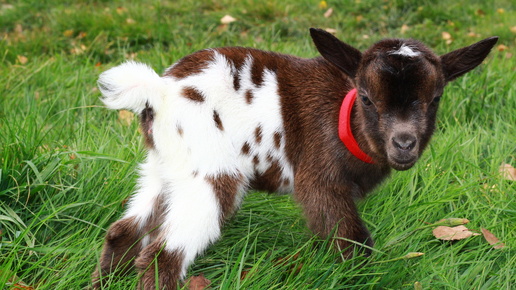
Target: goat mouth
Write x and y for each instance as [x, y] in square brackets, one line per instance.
[402, 164]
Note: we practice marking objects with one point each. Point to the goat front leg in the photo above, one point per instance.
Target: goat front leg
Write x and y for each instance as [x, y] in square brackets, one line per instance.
[196, 208]
[330, 210]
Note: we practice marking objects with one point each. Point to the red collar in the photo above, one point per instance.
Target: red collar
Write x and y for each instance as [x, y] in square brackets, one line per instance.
[345, 133]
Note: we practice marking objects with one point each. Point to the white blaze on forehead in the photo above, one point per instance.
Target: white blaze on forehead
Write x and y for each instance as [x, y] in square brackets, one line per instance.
[406, 50]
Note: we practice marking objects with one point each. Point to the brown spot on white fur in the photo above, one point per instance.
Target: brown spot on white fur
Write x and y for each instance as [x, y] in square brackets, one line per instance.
[249, 96]
[218, 121]
[226, 188]
[258, 134]
[256, 161]
[193, 94]
[179, 129]
[246, 148]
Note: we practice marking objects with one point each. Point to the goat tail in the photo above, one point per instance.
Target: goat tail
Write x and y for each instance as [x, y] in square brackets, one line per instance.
[132, 86]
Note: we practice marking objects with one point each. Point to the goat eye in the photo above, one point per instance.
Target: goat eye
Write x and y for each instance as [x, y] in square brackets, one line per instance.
[436, 100]
[365, 100]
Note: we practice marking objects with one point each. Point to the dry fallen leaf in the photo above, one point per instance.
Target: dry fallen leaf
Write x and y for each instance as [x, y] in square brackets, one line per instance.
[328, 13]
[19, 286]
[227, 19]
[198, 282]
[447, 36]
[473, 34]
[508, 172]
[121, 10]
[125, 117]
[290, 259]
[68, 33]
[492, 239]
[22, 59]
[502, 47]
[331, 30]
[404, 28]
[513, 29]
[452, 233]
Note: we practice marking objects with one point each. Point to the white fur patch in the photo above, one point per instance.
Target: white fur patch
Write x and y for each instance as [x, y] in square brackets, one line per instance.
[131, 85]
[406, 50]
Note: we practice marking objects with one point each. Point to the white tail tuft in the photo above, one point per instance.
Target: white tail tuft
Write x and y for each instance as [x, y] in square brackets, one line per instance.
[131, 86]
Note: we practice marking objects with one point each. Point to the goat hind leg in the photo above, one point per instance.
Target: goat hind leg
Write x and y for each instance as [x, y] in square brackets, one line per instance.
[121, 246]
[196, 209]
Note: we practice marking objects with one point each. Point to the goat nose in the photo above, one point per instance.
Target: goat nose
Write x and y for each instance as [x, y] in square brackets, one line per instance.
[404, 142]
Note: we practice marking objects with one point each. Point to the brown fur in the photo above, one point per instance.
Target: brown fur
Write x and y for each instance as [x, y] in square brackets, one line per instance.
[121, 246]
[270, 180]
[191, 65]
[218, 121]
[146, 120]
[226, 187]
[193, 94]
[168, 267]
[258, 135]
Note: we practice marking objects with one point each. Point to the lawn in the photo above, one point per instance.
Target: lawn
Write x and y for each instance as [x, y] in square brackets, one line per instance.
[67, 164]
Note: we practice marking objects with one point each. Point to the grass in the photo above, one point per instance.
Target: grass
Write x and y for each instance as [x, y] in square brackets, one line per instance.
[67, 164]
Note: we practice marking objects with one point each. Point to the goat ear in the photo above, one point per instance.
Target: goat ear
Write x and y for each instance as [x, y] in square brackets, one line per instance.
[460, 61]
[340, 54]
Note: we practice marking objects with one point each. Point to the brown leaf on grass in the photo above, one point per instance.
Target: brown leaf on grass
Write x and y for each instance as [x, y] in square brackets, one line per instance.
[447, 37]
[328, 13]
[492, 239]
[508, 172]
[331, 30]
[19, 286]
[244, 274]
[452, 233]
[22, 59]
[290, 260]
[502, 47]
[125, 117]
[121, 10]
[68, 33]
[198, 282]
[404, 28]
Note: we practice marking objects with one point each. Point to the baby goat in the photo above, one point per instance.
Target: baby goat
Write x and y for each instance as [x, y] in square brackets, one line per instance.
[224, 120]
